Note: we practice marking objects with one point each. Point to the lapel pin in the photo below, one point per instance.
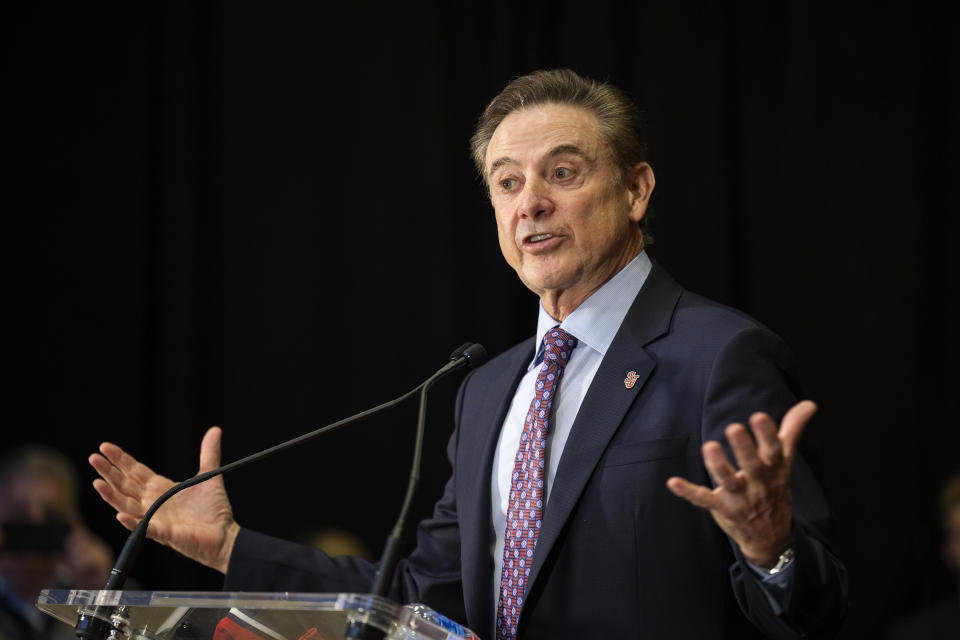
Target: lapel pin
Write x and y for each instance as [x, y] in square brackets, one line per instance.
[631, 379]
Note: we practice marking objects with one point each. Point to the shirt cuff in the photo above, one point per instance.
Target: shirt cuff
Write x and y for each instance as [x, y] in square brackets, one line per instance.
[776, 586]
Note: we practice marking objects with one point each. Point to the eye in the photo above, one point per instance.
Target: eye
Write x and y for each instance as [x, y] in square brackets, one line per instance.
[562, 173]
[507, 184]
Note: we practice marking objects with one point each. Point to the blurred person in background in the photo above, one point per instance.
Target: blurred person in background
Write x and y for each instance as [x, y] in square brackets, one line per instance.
[43, 541]
[942, 619]
[334, 542]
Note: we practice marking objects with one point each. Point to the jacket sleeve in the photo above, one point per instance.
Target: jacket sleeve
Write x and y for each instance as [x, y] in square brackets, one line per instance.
[755, 372]
[431, 574]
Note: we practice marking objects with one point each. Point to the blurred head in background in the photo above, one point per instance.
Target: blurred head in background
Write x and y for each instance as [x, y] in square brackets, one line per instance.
[43, 541]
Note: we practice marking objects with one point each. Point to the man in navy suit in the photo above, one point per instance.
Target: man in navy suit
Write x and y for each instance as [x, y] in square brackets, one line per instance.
[647, 529]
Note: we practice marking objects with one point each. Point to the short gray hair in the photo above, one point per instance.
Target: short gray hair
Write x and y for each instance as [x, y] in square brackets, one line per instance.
[620, 120]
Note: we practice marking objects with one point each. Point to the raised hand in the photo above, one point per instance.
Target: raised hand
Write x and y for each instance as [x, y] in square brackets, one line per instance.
[197, 522]
[752, 504]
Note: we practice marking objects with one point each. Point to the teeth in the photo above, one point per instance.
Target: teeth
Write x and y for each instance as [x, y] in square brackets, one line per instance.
[541, 237]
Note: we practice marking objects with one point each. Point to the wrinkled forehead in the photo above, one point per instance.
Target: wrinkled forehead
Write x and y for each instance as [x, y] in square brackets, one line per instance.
[529, 134]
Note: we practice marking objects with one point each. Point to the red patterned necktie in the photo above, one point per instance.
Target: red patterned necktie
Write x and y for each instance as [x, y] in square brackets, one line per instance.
[525, 506]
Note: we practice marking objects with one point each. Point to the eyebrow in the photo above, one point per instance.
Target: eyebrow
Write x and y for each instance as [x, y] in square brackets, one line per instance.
[499, 163]
[559, 150]
[571, 149]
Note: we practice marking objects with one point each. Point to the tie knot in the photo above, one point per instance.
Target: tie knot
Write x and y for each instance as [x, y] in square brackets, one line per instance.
[557, 346]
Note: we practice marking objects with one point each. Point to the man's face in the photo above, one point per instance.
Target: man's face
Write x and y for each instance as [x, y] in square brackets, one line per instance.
[566, 223]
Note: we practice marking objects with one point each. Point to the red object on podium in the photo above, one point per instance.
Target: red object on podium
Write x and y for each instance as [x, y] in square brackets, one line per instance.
[229, 629]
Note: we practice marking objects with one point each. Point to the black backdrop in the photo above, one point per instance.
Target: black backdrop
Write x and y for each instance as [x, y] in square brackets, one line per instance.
[264, 216]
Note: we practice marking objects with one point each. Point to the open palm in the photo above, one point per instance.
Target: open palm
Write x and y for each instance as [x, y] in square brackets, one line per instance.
[197, 522]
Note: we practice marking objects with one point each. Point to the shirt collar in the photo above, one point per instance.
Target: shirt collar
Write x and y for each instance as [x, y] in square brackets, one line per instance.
[598, 318]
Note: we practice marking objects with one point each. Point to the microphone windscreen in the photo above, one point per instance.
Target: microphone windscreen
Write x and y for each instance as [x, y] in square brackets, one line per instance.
[476, 354]
[460, 351]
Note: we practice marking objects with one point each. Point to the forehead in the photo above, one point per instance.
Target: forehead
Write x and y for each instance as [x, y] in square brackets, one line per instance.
[527, 134]
[28, 495]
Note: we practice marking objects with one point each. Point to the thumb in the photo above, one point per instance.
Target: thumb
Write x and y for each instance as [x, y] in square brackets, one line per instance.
[210, 449]
[793, 423]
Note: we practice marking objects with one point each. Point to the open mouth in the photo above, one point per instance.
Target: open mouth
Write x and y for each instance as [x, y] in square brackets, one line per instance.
[540, 237]
[538, 243]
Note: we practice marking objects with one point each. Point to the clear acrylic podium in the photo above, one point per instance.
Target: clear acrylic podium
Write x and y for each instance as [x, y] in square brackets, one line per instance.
[166, 615]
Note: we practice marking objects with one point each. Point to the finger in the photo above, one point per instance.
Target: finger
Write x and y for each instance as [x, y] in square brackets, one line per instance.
[115, 498]
[114, 476]
[120, 481]
[105, 468]
[744, 450]
[723, 474]
[693, 493]
[210, 449]
[155, 530]
[122, 503]
[793, 424]
[127, 520]
[126, 463]
[102, 466]
[769, 446]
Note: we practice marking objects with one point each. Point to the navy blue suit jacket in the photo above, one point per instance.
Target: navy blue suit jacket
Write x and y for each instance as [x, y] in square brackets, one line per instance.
[618, 554]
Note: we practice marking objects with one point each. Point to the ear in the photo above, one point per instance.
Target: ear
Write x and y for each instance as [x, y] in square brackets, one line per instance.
[639, 181]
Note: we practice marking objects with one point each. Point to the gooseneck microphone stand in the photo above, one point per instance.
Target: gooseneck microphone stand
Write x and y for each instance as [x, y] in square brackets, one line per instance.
[104, 621]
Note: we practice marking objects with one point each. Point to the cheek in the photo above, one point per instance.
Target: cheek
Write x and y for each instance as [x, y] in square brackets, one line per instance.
[607, 224]
[508, 249]
[505, 235]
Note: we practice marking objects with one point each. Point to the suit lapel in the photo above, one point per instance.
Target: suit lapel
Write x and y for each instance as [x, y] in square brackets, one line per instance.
[476, 530]
[606, 403]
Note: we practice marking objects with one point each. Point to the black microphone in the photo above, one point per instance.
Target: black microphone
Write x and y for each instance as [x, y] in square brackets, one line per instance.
[92, 626]
[472, 354]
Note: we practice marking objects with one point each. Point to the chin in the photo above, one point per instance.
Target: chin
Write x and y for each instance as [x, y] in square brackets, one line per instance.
[539, 281]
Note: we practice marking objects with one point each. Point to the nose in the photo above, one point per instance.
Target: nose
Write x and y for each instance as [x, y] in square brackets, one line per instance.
[535, 199]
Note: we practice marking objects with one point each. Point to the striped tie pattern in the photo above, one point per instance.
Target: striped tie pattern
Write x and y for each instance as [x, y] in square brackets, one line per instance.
[525, 504]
